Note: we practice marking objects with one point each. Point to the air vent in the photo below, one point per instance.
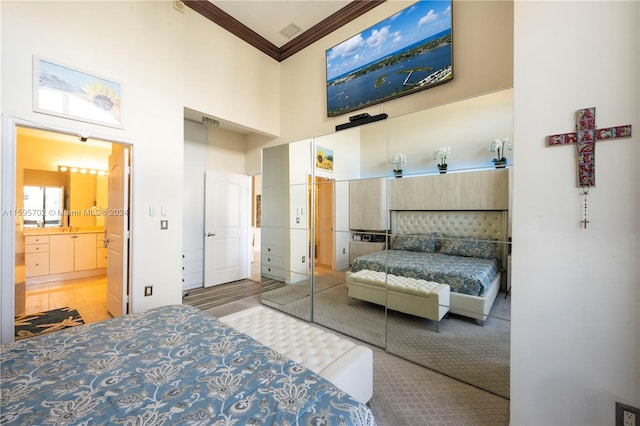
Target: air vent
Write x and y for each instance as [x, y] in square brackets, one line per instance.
[290, 30]
[178, 5]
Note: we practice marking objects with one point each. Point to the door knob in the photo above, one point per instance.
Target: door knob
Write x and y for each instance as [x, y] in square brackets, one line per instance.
[209, 234]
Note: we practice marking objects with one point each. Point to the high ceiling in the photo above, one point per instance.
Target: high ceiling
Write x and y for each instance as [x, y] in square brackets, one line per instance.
[261, 22]
[281, 14]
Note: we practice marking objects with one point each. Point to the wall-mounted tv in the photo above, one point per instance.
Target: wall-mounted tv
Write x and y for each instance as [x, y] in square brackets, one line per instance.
[407, 52]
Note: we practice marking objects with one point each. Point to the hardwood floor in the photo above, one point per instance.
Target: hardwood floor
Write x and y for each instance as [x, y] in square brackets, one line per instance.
[212, 297]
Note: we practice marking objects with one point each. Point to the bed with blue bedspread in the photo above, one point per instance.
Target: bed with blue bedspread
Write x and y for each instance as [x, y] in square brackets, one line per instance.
[170, 365]
[466, 275]
[463, 249]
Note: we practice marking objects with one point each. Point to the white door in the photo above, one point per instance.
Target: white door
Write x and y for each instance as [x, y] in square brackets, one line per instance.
[226, 228]
[117, 230]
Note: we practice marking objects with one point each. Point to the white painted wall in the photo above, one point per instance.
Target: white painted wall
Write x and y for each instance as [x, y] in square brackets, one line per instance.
[165, 61]
[225, 150]
[467, 126]
[575, 327]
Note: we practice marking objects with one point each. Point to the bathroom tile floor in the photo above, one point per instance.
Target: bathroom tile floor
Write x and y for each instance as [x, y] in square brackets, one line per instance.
[87, 295]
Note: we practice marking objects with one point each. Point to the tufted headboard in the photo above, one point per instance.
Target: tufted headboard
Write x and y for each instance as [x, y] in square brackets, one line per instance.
[479, 224]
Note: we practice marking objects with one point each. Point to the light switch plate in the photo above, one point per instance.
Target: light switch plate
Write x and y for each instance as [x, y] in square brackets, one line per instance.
[164, 224]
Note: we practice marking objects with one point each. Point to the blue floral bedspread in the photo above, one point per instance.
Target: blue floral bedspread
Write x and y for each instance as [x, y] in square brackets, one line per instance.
[170, 365]
[467, 275]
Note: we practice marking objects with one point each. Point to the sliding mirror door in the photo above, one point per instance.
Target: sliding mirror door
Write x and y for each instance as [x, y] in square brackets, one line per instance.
[448, 299]
[348, 239]
[350, 210]
[286, 232]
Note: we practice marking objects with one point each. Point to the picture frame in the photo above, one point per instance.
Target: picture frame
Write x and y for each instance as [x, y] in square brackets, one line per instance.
[324, 159]
[407, 52]
[77, 95]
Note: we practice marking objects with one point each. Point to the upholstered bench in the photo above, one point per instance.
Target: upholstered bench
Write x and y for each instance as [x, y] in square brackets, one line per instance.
[347, 365]
[426, 299]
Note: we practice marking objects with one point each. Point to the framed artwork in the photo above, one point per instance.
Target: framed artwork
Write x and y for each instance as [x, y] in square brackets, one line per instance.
[69, 93]
[403, 54]
[324, 159]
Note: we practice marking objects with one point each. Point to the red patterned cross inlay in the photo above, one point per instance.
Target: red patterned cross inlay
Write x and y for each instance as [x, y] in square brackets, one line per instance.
[586, 137]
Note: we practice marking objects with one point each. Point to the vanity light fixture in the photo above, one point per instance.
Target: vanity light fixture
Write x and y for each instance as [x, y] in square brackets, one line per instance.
[82, 170]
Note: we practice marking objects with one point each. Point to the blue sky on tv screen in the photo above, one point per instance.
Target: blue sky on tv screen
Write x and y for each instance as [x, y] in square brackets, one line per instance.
[411, 25]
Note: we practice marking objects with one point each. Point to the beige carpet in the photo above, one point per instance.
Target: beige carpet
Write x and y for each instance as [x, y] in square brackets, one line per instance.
[462, 349]
[477, 355]
[405, 393]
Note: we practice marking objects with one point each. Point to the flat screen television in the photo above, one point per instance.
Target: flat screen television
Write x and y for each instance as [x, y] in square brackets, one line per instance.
[405, 53]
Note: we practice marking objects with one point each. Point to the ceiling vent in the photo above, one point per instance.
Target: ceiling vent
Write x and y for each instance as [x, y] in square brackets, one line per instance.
[290, 30]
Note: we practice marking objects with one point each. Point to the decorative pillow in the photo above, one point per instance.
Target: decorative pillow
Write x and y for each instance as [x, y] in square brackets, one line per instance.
[468, 247]
[414, 242]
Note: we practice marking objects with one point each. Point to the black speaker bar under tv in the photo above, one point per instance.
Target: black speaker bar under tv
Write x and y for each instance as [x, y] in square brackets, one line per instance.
[360, 119]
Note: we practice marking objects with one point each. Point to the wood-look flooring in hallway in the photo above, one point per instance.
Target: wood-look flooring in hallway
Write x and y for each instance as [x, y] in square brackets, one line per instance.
[211, 297]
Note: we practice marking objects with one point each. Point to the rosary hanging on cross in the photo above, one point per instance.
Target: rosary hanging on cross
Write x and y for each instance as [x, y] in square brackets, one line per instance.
[585, 137]
[585, 192]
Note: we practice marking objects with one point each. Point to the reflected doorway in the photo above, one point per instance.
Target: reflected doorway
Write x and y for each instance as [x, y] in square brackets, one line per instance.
[324, 223]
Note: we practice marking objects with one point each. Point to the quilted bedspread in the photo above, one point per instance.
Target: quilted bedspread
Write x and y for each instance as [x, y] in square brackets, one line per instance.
[467, 275]
[170, 365]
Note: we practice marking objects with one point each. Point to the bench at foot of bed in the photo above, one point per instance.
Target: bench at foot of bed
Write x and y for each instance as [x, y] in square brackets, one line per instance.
[421, 298]
[347, 365]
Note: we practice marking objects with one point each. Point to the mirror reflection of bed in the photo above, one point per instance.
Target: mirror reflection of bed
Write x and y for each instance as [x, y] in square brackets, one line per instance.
[464, 335]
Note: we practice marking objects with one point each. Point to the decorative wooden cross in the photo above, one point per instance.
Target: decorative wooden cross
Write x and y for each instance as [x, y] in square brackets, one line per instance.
[586, 136]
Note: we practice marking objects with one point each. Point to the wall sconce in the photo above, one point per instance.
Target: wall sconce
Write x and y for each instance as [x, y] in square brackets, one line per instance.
[82, 170]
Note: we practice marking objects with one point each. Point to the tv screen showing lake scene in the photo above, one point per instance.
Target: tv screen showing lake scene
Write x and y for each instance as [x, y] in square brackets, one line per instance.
[407, 52]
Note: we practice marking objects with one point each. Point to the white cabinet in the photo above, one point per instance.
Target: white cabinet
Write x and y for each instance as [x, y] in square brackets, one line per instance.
[36, 257]
[61, 254]
[360, 248]
[272, 254]
[476, 190]
[84, 252]
[367, 205]
[72, 252]
[192, 268]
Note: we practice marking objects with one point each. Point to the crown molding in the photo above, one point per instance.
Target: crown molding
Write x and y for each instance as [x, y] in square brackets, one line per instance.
[343, 16]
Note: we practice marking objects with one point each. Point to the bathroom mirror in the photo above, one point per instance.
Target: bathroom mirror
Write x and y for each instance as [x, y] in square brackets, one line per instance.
[43, 206]
[65, 198]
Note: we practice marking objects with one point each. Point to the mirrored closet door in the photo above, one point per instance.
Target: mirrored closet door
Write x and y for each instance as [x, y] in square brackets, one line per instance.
[415, 262]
